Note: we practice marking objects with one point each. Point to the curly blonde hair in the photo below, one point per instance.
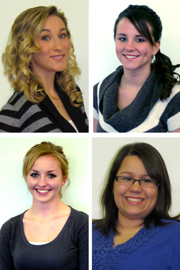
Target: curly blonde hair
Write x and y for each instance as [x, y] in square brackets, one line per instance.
[46, 149]
[21, 46]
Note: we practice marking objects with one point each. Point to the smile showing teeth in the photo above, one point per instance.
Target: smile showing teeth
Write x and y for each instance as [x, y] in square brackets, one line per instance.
[57, 56]
[42, 191]
[131, 56]
[134, 200]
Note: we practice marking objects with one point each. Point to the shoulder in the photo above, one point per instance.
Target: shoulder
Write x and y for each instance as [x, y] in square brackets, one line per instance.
[175, 91]
[16, 101]
[17, 105]
[170, 231]
[108, 81]
[78, 216]
[10, 225]
[97, 236]
[15, 113]
[171, 226]
[110, 77]
[174, 97]
[78, 223]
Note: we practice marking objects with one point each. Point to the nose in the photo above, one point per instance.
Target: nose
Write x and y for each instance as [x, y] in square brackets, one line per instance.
[130, 46]
[136, 187]
[42, 181]
[57, 44]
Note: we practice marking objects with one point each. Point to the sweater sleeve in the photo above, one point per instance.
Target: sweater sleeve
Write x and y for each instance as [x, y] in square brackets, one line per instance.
[83, 243]
[95, 102]
[6, 260]
[174, 249]
[9, 119]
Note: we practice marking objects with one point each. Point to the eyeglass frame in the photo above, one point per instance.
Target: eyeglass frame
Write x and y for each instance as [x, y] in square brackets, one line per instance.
[133, 180]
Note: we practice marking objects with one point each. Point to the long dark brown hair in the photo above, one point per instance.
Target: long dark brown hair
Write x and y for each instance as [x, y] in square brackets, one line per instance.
[139, 16]
[156, 168]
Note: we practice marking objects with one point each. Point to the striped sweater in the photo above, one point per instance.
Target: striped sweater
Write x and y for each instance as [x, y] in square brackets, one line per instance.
[21, 115]
[145, 114]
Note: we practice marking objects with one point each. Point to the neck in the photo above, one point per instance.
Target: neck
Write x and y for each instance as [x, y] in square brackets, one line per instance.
[46, 210]
[48, 83]
[125, 223]
[135, 78]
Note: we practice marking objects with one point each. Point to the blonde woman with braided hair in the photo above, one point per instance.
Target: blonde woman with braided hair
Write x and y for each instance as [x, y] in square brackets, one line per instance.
[41, 67]
[50, 234]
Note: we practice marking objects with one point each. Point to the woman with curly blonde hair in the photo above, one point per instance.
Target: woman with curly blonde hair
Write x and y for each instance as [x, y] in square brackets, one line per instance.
[41, 67]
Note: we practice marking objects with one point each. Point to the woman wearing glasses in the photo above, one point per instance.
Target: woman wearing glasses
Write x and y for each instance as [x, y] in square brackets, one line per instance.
[136, 230]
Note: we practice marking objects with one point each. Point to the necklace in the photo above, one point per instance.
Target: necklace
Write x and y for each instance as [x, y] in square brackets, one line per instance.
[58, 104]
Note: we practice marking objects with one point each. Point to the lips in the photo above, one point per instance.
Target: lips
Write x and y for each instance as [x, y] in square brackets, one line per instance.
[131, 56]
[43, 191]
[134, 200]
[58, 57]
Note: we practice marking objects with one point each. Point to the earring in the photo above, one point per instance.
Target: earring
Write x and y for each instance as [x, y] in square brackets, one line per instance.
[153, 58]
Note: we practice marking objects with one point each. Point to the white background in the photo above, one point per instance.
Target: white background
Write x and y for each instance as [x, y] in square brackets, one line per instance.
[76, 12]
[103, 14]
[14, 195]
[104, 149]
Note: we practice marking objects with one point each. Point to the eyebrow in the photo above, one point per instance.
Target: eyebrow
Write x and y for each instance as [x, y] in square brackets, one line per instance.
[132, 174]
[120, 34]
[48, 30]
[47, 171]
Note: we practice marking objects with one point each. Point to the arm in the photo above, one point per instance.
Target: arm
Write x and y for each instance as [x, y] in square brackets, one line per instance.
[175, 131]
[95, 108]
[173, 248]
[6, 260]
[83, 246]
[95, 122]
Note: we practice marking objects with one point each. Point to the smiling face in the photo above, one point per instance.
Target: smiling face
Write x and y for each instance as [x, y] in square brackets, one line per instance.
[45, 179]
[133, 50]
[134, 202]
[55, 47]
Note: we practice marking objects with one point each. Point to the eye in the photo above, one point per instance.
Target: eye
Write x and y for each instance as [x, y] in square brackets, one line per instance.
[147, 180]
[34, 175]
[46, 38]
[140, 40]
[126, 178]
[63, 35]
[51, 175]
[122, 39]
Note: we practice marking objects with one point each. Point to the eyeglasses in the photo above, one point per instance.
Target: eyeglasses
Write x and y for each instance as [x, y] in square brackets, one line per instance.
[144, 183]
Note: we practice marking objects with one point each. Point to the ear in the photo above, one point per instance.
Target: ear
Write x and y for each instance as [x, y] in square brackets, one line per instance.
[64, 180]
[156, 47]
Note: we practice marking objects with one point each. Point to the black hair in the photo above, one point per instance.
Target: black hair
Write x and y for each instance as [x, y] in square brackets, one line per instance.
[139, 16]
[156, 168]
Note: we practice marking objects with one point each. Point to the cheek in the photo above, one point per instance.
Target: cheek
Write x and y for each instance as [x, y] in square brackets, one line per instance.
[119, 191]
[147, 51]
[118, 48]
[67, 45]
[29, 184]
[152, 195]
[38, 56]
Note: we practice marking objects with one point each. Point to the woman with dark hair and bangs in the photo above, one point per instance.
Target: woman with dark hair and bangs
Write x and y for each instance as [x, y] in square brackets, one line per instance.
[142, 95]
[41, 66]
[136, 231]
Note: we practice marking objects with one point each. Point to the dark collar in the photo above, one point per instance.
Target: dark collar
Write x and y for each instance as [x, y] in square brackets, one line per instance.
[60, 122]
